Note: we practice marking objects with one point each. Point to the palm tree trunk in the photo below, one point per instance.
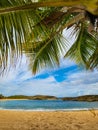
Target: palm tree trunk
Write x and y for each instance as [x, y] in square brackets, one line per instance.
[89, 5]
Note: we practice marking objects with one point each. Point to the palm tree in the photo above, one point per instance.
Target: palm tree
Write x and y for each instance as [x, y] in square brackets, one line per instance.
[36, 27]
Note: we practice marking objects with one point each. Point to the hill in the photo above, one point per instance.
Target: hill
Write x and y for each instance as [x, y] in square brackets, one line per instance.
[88, 98]
[36, 97]
[43, 97]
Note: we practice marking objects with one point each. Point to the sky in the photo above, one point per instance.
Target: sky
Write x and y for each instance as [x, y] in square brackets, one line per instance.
[66, 81]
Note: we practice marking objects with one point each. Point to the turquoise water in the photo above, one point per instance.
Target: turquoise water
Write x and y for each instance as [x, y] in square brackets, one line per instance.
[40, 105]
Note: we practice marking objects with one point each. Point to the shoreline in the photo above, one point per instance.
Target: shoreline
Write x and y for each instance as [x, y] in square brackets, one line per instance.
[64, 110]
[12, 99]
[44, 120]
[51, 110]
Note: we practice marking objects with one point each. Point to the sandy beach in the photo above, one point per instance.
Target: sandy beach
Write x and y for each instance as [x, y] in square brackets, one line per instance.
[57, 120]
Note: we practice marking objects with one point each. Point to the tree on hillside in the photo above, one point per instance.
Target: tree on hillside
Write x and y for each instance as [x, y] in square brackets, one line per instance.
[1, 96]
[36, 27]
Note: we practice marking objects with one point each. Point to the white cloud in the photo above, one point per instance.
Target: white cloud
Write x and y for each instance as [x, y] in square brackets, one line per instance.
[81, 83]
[76, 83]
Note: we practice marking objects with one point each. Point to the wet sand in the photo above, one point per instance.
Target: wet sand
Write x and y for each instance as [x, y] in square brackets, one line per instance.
[41, 120]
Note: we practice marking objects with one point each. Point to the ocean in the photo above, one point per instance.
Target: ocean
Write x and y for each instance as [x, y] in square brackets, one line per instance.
[46, 105]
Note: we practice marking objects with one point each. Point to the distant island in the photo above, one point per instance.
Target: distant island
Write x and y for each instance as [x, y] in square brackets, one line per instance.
[88, 98]
[36, 97]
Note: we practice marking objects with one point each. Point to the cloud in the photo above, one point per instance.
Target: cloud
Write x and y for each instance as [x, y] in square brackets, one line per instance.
[81, 83]
[40, 86]
[68, 80]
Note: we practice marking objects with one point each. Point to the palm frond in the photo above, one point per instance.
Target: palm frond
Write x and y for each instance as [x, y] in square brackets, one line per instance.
[36, 27]
[44, 51]
[83, 48]
[93, 60]
[49, 55]
[18, 28]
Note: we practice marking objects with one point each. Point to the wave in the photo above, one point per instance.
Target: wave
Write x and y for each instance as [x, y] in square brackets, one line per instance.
[43, 109]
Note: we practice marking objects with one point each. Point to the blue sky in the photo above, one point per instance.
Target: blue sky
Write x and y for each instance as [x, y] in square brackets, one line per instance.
[68, 80]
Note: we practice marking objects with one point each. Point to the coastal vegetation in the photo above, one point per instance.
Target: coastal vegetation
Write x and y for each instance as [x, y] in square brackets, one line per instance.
[36, 29]
[43, 97]
[1, 96]
[88, 98]
[36, 97]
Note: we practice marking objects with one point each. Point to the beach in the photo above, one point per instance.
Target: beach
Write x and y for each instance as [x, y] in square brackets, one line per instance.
[48, 120]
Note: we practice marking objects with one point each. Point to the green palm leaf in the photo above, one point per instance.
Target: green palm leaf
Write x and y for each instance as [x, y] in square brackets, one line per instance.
[18, 28]
[83, 48]
[36, 27]
[48, 52]
[93, 60]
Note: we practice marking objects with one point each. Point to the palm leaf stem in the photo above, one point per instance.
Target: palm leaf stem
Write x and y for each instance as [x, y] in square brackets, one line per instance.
[69, 3]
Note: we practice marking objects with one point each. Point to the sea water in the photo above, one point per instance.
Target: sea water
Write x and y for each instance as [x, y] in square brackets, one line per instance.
[46, 105]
